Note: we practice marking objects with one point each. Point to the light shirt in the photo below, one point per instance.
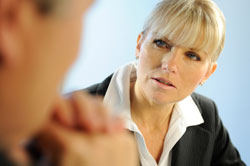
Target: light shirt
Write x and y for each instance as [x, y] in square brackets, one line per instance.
[185, 114]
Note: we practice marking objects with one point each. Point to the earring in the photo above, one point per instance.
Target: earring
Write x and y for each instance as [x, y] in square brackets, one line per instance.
[202, 83]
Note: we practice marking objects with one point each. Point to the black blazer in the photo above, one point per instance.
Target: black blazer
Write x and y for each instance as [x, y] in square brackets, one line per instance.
[207, 144]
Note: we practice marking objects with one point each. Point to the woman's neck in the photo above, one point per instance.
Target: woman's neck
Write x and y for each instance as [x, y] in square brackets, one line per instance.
[151, 115]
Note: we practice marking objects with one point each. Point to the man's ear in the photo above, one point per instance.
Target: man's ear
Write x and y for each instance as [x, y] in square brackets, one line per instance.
[10, 43]
[138, 45]
[8, 47]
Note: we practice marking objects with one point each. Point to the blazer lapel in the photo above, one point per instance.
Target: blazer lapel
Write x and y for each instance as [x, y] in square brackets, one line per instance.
[191, 149]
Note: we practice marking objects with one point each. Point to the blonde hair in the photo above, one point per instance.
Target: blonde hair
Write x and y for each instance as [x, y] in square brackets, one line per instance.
[197, 24]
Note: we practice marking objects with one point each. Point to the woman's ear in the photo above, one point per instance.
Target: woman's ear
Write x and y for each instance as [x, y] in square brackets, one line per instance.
[213, 67]
[138, 45]
[210, 71]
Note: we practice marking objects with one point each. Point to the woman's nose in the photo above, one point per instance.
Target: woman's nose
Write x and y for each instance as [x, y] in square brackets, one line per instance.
[170, 61]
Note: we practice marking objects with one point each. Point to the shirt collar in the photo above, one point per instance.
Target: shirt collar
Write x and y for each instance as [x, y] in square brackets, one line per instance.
[189, 112]
[117, 97]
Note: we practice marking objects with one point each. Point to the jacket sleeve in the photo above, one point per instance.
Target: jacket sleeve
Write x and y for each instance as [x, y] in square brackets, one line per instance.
[92, 89]
[224, 154]
[99, 88]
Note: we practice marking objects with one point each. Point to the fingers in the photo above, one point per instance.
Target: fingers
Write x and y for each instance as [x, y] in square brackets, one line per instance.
[113, 150]
[63, 112]
[92, 135]
[117, 124]
[75, 148]
[89, 113]
[58, 142]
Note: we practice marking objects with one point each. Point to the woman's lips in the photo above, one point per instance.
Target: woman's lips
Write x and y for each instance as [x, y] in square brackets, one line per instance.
[163, 81]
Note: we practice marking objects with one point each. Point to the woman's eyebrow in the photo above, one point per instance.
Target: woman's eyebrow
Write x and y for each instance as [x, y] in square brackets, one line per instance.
[168, 41]
[200, 52]
[193, 49]
[196, 50]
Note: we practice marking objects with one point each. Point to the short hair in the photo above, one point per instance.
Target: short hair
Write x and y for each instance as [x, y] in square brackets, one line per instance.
[197, 24]
[45, 6]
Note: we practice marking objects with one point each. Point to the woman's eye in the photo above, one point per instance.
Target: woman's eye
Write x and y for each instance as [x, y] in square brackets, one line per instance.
[162, 44]
[193, 56]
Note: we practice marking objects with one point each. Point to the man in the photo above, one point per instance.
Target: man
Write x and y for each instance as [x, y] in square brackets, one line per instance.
[38, 42]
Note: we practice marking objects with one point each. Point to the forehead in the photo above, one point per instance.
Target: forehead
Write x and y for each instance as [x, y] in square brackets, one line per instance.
[189, 35]
[150, 37]
[192, 46]
[190, 24]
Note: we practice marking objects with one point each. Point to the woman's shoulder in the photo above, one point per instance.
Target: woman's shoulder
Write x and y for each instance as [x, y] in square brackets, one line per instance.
[203, 102]
[99, 88]
[208, 110]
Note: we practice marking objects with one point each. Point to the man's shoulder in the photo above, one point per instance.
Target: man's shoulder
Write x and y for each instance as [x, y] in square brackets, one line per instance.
[5, 159]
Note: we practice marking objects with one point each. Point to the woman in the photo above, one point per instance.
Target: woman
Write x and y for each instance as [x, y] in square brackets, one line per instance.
[176, 51]
[38, 42]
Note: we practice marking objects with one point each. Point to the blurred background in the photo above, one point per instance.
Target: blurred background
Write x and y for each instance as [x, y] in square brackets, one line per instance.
[109, 40]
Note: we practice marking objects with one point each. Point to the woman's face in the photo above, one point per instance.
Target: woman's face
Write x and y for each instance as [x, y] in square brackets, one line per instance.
[41, 49]
[168, 73]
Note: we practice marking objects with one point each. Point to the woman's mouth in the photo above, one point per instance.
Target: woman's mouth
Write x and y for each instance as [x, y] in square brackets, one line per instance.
[163, 81]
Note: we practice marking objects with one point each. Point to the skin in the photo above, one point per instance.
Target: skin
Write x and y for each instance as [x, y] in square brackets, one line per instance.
[89, 138]
[36, 51]
[26, 38]
[152, 101]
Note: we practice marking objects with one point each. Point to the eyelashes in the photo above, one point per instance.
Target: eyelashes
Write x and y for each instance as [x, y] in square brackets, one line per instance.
[162, 44]
[193, 56]
[165, 45]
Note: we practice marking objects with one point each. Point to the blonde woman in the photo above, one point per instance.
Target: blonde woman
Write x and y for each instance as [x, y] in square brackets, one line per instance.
[176, 51]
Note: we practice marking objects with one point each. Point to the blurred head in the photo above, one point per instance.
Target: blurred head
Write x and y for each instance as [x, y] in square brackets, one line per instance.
[39, 41]
[178, 48]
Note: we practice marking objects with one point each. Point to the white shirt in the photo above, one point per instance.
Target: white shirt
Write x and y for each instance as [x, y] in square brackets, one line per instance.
[185, 114]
